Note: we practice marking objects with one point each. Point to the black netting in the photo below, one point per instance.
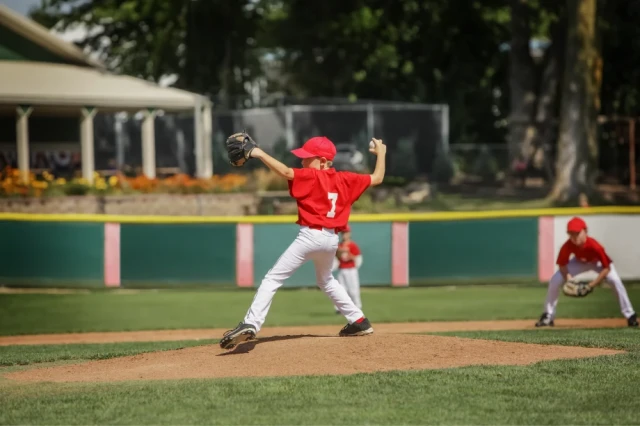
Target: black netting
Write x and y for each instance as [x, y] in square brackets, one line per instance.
[266, 126]
[411, 135]
[412, 138]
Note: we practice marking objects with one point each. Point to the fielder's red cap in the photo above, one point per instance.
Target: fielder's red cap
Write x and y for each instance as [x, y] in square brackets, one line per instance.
[576, 225]
[318, 146]
[346, 228]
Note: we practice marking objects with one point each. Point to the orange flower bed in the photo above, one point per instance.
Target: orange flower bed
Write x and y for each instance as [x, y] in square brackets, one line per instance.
[45, 184]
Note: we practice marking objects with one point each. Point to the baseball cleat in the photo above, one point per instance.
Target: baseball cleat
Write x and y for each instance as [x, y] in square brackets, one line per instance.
[632, 321]
[240, 334]
[357, 329]
[545, 321]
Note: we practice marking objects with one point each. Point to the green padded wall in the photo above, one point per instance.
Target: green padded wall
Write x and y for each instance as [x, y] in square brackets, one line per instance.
[40, 253]
[177, 253]
[269, 242]
[374, 240]
[473, 249]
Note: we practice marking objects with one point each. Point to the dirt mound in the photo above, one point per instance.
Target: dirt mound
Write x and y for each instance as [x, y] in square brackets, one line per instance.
[381, 328]
[309, 355]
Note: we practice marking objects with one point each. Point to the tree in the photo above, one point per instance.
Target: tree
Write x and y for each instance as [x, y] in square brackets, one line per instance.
[620, 38]
[577, 157]
[522, 83]
[434, 51]
[534, 84]
[205, 44]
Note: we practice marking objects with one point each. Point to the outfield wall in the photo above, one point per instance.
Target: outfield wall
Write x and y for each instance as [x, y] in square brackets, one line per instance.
[398, 249]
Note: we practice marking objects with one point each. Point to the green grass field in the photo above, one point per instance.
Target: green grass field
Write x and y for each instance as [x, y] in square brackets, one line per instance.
[167, 309]
[599, 390]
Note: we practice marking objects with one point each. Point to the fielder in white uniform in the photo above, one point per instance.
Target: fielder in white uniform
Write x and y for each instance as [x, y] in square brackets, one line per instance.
[589, 255]
[348, 261]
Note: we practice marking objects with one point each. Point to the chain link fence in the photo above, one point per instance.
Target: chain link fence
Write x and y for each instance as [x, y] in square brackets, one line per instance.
[417, 137]
[414, 134]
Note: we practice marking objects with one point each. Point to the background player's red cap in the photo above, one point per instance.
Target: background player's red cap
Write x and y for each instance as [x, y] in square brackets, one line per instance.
[346, 228]
[576, 225]
[318, 146]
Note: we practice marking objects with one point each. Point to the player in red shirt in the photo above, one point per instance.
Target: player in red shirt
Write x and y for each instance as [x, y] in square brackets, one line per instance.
[589, 255]
[348, 260]
[324, 197]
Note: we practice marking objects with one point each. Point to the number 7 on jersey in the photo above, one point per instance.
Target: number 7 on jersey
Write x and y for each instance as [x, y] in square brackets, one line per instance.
[333, 197]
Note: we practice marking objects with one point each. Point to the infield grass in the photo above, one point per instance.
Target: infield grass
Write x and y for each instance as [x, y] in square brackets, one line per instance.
[173, 309]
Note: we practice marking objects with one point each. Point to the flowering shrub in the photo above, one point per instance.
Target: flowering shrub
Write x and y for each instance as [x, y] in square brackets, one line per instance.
[45, 184]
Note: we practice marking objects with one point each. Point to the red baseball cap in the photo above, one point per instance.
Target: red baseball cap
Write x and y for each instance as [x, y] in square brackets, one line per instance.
[576, 225]
[318, 146]
[346, 228]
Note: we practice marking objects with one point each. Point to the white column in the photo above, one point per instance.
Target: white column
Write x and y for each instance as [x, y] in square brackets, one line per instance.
[288, 120]
[370, 122]
[86, 143]
[207, 141]
[198, 138]
[22, 140]
[120, 142]
[445, 129]
[149, 143]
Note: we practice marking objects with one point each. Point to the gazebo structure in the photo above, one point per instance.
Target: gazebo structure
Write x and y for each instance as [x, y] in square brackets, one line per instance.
[41, 73]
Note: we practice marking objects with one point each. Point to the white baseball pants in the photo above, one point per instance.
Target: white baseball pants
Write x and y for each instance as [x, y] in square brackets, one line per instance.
[350, 280]
[319, 246]
[576, 267]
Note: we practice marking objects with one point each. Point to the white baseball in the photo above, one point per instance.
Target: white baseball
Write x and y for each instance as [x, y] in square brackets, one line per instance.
[372, 145]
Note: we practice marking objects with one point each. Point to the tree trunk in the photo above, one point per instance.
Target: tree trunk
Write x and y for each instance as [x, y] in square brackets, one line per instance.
[577, 143]
[546, 118]
[522, 83]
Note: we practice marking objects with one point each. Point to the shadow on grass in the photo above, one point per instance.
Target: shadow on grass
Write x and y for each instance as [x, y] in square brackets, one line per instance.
[248, 346]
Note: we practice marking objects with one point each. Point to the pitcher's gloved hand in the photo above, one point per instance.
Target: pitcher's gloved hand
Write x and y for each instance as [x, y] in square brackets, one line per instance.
[239, 147]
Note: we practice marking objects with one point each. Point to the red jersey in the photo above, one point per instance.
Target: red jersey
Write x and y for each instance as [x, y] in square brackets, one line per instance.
[325, 196]
[590, 252]
[351, 248]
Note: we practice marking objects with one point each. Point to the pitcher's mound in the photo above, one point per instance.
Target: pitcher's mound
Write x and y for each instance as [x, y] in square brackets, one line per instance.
[309, 355]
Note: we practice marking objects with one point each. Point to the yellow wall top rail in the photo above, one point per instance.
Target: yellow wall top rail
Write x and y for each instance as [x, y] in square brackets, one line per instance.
[383, 217]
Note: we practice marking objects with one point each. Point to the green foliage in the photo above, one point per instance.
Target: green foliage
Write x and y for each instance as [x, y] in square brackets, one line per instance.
[620, 42]
[205, 43]
[432, 51]
[74, 188]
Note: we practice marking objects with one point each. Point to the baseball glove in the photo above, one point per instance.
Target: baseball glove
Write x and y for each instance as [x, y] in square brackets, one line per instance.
[239, 147]
[576, 288]
[342, 254]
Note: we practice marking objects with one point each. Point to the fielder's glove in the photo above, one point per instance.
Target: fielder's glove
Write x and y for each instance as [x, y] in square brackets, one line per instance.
[342, 254]
[239, 147]
[576, 288]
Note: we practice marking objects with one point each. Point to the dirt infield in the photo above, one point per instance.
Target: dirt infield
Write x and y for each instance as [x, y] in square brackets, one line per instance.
[216, 333]
[294, 355]
[316, 350]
